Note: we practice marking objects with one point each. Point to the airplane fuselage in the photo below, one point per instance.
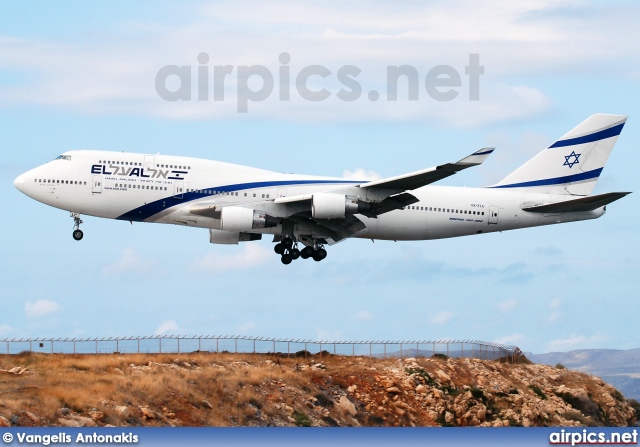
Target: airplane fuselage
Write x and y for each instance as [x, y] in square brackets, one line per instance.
[165, 189]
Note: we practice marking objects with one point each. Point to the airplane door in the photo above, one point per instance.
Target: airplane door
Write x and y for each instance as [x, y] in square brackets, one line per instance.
[96, 185]
[493, 214]
[149, 161]
[178, 189]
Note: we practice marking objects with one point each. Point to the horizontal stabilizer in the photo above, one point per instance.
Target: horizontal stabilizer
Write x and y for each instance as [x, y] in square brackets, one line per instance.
[589, 203]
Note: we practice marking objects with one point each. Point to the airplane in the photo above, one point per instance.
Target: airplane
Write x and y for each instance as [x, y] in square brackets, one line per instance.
[307, 213]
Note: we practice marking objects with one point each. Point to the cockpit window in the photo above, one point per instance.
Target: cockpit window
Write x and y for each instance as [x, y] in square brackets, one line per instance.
[63, 157]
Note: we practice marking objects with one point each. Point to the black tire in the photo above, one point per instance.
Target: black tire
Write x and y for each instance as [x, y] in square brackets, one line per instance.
[278, 248]
[286, 259]
[306, 252]
[287, 242]
[319, 254]
[295, 253]
[78, 234]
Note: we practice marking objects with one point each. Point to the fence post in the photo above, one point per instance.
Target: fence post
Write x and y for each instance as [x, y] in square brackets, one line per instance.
[370, 350]
[117, 346]
[199, 344]
[385, 350]
[288, 348]
[305, 350]
[236, 342]
[353, 349]
[401, 350]
[30, 350]
[74, 347]
[138, 345]
[178, 345]
[254, 345]
[217, 350]
[447, 349]
[160, 345]
[51, 346]
[462, 350]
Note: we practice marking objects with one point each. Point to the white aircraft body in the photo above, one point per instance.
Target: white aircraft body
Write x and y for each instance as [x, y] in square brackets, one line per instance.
[238, 203]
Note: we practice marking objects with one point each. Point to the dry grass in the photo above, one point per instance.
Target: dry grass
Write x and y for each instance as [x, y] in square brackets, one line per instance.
[209, 389]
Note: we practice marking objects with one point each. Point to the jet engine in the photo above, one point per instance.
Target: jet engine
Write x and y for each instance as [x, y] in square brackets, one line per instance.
[234, 218]
[326, 205]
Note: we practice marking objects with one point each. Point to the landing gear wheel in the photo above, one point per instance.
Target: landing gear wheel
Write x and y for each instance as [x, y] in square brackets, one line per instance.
[288, 243]
[295, 253]
[77, 234]
[306, 252]
[278, 248]
[319, 254]
[286, 259]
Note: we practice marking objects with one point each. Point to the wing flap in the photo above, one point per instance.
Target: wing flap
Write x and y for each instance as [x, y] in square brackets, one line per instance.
[588, 203]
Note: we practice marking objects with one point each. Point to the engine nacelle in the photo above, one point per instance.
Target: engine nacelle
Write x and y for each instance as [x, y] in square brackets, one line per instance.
[326, 205]
[235, 218]
[230, 237]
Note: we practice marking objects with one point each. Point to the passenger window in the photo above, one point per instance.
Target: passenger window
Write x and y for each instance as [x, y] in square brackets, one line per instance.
[245, 194]
[254, 194]
[263, 196]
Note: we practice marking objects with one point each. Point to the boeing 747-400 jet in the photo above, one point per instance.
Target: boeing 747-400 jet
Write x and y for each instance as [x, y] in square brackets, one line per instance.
[305, 213]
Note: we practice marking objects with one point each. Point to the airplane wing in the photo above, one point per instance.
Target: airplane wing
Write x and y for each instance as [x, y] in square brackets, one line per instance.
[588, 203]
[417, 179]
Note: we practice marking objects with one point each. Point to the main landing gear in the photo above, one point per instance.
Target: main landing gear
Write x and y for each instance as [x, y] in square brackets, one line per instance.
[288, 251]
[77, 232]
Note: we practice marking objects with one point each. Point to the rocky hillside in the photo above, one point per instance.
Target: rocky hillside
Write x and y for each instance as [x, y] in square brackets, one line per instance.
[203, 389]
[620, 368]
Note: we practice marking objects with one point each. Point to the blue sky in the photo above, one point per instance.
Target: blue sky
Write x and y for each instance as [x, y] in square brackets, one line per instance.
[74, 76]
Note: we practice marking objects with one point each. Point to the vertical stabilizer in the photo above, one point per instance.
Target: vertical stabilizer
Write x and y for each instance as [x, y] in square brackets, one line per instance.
[572, 164]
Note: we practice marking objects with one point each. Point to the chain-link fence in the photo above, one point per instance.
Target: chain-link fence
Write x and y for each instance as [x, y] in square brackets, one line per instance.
[262, 345]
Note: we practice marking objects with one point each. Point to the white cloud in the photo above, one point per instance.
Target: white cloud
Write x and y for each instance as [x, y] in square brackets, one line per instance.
[574, 342]
[41, 308]
[328, 335]
[247, 327]
[555, 303]
[249, 255]
[512, 339]
[166, 326]
[360, 174]
[107, 73]
[127, 263]
[5, 329]
[441, 317]
[507, 306]
[364, 315]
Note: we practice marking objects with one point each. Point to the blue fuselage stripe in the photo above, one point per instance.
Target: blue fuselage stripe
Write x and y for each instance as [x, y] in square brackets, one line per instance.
[607, 133]
[556, 181]
[145, 211]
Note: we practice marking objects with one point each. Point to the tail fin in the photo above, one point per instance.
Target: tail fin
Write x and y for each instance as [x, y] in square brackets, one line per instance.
[572, 164]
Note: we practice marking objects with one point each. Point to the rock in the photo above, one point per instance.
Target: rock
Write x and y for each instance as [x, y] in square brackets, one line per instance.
[288, 409]
[347, 406]
[32, 417]
[63, 422]
[118, 371]
[207, 404]
[449, 417]
[400, 412]
[147, 413]
[122, 411]
[15, 370]
[393, 389]
[352, 388]
[4, 422]
[421, 389]
[96, 415]
[443, 376]
[76, 421]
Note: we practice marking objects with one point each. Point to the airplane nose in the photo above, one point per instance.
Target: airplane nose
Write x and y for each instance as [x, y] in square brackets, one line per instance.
[19, 183]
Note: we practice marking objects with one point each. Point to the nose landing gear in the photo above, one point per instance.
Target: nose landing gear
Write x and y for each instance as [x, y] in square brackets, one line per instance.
[77, 232]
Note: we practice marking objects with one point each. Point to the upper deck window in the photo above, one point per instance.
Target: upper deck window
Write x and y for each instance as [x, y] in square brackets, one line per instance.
[63, 157]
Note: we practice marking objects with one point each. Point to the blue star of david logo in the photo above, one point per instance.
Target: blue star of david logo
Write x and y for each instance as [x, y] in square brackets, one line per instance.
[569, 162]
